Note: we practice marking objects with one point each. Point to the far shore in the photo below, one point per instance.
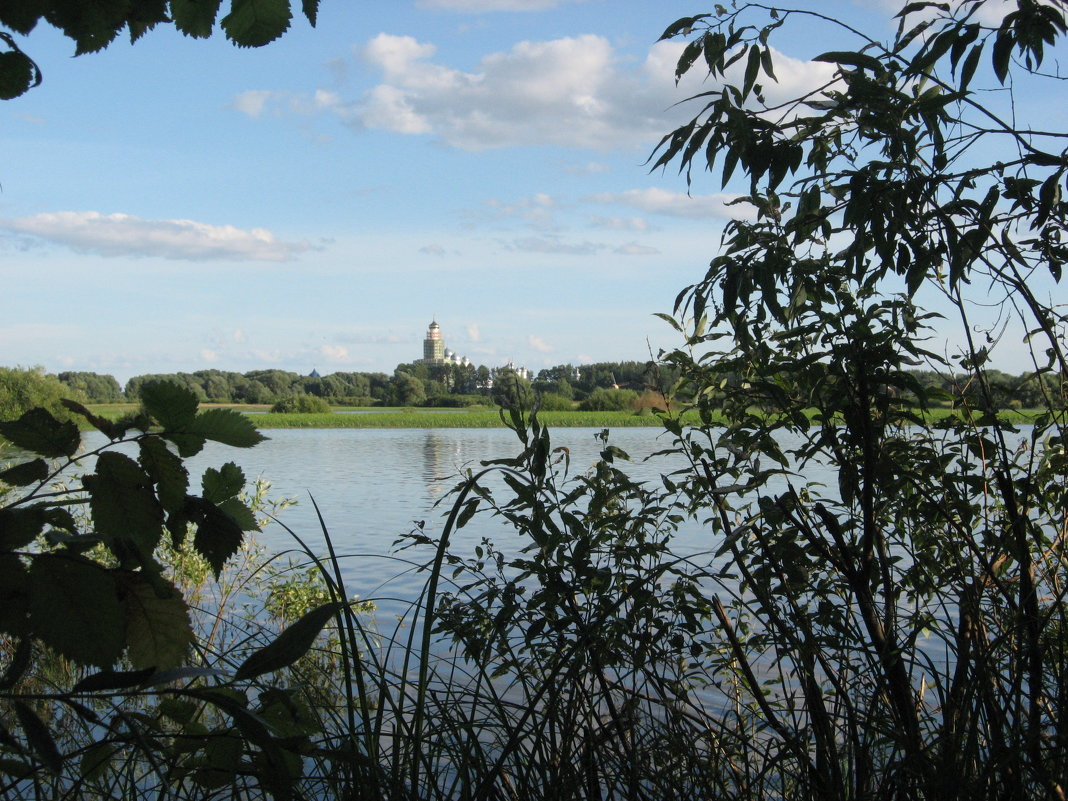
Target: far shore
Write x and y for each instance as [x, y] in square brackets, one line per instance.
[477, 417]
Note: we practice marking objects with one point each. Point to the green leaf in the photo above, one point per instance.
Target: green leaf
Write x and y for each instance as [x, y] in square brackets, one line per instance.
[254, 23]
[158, 631]
[170, 405]
[195, 17]
[752, 68]
[95, 760]
[111, 680]
[74, 608]
[125, 509]
[241, 514]
[166, 471]
[1002, 53]
[18, 74]
[20, 526]
[102, 424]
[289, 646]
[22, 475]
[41, 433]
[218, 485]
[218, 536]
[226, 426]
[14, 594]
[851, 59]
[186, 443]
[311, 10]
[39, 738]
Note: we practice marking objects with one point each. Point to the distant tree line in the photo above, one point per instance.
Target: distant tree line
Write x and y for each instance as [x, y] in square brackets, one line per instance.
[596, 387]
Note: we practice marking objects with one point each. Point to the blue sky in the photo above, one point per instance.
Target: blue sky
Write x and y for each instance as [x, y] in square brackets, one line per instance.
[181, 204]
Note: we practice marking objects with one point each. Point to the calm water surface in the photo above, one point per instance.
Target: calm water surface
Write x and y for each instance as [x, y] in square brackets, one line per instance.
[371, 484]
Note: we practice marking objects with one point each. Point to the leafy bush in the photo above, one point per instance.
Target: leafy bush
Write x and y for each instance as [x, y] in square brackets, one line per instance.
[455, 401]
[609, 400]
[22, 389]
[301, 404]
[552, 402]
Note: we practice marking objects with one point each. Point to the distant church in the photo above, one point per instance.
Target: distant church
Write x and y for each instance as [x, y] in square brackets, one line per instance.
[434, 350]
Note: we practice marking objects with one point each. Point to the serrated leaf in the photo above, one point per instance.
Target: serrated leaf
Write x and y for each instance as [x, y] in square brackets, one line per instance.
[15, 768]
[14, 594]
[20, 526]
[195, 17]
[289, 646]
[22, 475]
[254, 23]
[217, 537]
[178, 709]
[74, 609]
[158, 631]
[101, 424]
[226, 426]
[186, 443]
[39, 738]
[166, 471]
[226, 482]
[41, 433]
[95, 760]
[18, 74]
[125, 509]
[311, 10]
[170, 405]
[242, 515]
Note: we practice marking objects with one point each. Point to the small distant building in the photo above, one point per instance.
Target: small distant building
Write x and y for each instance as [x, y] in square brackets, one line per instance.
[434, 345]
[434, 350]
[314, 374]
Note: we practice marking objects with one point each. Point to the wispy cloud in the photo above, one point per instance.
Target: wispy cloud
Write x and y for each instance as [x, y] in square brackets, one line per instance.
[122, 235]
[336, 353]
[479, 6]
[621, 223]
[575, 92]
[635, 249]
[677, 204]
[554, 244]
[539, 344]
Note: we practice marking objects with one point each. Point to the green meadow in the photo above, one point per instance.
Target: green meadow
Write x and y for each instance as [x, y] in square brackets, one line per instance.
[398, 417]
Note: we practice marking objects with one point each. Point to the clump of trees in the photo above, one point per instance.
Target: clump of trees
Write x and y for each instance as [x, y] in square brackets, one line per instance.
[302, 404]
[22, 389]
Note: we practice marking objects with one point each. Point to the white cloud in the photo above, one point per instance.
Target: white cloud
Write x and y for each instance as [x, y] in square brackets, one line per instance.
[126, 235]
[572, 92]
[252, 102]
[473, 333]
[478, 6]
[539, 344]
[239, 335]
[634, 249]
[621, 223]
[677, 204]
[432, 250]
[256, 102]
[589, 168]
[538, 210]
[209, 355]
[335, 353]
[554, 244]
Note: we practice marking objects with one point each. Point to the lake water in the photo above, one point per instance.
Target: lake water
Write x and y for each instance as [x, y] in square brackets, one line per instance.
[371, 484]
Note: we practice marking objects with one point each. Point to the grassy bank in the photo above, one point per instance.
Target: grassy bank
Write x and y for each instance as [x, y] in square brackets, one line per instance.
[469, 418]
